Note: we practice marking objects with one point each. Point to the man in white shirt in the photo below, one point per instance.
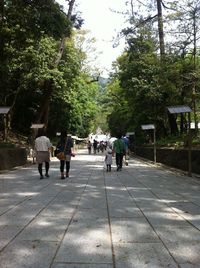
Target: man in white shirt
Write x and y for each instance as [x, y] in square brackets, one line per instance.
[42, 149]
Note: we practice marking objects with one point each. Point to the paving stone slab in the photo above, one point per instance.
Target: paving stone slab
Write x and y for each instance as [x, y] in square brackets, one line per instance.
[143, 255]
[75, 187]
[141, 193]
[132, 231]
[24, 210]
[79, 265]
[91, 213]
[66, 197]
[42, 199]
[185, 253]
[185, 208]
[178, 234]
[148, 206]
[88, 235]
[124, 212]
[194, 220]
[7, 233]
[88, 222]
[170, 197]
[59, 210]
[45, 229]
[14, 219]
[92, 252]
[158, 218]
[28, 254]
[93, 202]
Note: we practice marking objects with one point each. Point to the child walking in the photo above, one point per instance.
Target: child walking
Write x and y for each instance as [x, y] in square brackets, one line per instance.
[108, 159]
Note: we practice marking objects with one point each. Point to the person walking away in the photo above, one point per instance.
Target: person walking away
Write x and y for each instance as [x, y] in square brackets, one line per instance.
[42, 151]
[89, 146]
[119, 150]
[65, 145]
[126, 156]
[108, 159]
[95, 146]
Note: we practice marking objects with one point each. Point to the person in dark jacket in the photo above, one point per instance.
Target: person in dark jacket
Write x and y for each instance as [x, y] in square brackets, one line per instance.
[65, 145]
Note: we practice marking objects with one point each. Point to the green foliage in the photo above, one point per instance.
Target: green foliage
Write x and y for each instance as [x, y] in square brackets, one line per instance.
[29, 48]
[143, 86]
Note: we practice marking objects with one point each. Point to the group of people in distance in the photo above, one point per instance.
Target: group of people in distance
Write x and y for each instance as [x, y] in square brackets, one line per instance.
[43, 148]
[96, 146]
[120, 149]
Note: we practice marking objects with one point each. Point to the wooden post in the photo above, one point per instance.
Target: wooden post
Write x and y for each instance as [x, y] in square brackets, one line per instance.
[5, 128]
[154, 147]
[189, 148]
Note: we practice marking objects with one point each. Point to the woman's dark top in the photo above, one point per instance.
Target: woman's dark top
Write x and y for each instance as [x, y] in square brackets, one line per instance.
[69, 144]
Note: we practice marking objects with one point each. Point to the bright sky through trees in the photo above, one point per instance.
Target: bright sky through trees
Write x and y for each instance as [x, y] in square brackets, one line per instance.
[104, 25]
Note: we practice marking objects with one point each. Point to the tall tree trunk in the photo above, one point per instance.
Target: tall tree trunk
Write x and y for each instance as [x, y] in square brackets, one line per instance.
[160, 29]
[45, 102]
[2, 36]
[43, 113]
[194, 64]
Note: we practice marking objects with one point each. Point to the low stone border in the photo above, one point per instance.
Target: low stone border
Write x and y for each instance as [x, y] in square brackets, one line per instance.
[177, 158]
[12, 157]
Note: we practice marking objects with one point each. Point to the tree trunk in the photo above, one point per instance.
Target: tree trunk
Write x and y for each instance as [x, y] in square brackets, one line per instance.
[2, 36]
[48, 85]
[45, 102]
[160, 29]
[194, 64]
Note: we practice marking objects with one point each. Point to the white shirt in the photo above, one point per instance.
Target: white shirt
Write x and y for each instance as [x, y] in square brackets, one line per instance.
[42, 144]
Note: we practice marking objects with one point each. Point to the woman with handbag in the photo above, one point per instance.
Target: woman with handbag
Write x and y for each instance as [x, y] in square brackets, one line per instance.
[65, 146]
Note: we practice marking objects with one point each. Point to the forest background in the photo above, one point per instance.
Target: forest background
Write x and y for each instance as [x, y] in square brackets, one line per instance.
[46, 75]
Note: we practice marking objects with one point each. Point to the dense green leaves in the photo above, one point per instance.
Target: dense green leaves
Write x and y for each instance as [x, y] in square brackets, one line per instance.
[144, 86]
[41, 80]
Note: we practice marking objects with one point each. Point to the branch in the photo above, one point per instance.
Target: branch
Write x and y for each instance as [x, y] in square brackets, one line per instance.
[61, 49]
[71, 5]
[170, 8]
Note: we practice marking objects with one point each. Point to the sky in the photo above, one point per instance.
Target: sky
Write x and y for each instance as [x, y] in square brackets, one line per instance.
[104, 26]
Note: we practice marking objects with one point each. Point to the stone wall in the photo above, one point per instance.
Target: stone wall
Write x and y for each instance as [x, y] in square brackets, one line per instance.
[177, 158]
[12, 157]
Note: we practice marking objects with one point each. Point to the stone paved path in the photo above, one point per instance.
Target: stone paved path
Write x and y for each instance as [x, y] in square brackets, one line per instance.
[140, 217]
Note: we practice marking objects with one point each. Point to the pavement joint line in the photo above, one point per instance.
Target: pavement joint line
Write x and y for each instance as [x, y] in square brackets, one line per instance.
[29, 223]
[16, 205]
[85, 263]
[109, 222]
[152, 226]
[70, 221]
[168, 204]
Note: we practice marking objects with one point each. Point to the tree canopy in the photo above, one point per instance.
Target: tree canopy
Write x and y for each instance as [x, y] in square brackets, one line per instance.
[42, 74]
[48, 75]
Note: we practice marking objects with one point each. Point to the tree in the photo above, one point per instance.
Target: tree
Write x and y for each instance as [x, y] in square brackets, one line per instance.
[25, 25]
[187, 19]
[48, 85]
